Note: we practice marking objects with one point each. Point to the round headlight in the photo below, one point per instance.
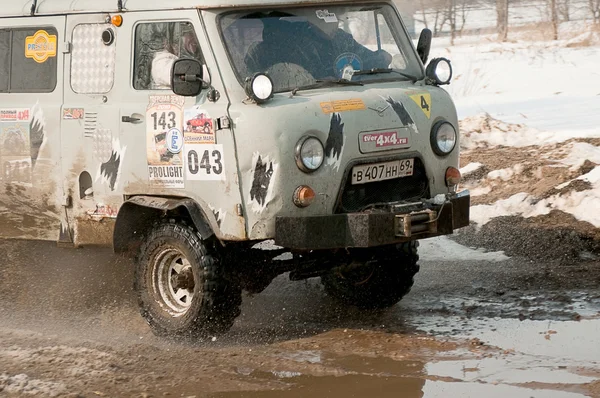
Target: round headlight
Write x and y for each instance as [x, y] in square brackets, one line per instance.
[443, 138]
[259, 87]
[309, 154]
[439, 70]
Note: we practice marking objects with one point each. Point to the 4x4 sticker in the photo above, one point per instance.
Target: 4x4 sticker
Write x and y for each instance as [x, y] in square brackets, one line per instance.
[424, 102]
[164, 121]
[40, 46]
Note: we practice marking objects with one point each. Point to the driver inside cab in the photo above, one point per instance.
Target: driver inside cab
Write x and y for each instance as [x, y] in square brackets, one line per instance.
[162, 63]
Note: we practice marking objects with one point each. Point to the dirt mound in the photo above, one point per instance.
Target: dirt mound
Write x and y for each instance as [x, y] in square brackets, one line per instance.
[557, 236]
[544, 175]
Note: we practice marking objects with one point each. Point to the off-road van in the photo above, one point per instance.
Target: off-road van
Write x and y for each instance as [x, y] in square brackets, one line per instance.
[188, 132]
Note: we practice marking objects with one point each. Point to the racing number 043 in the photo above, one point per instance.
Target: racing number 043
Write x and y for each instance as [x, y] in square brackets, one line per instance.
[205, 162]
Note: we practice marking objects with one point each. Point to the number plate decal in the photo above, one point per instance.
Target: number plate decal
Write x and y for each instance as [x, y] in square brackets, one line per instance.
[366, 173]
[204, 162]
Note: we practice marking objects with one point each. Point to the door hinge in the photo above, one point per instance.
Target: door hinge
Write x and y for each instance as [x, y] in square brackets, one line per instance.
[67, 47]
[223, 123]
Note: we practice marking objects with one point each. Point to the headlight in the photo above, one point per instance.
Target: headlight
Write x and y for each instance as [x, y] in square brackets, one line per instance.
[309, 154]
[443, 138]
[439, 70]
[259, 87]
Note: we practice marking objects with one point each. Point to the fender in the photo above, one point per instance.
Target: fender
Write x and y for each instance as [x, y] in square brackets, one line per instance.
[138, 214]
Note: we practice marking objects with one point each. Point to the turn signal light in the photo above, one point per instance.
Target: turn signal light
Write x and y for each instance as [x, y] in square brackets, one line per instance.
[304, 196]
[117, 20]
[453, 176]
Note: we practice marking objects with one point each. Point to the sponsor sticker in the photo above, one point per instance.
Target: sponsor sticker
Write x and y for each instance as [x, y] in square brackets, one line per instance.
[15, 115]
[73, 113]
[389, 138]
[326, 16]
[355, 104]
[164, 134]
[40, 46]
[199, 126]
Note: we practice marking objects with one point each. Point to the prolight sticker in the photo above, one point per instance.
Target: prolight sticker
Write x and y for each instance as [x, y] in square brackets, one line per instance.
[164, 122]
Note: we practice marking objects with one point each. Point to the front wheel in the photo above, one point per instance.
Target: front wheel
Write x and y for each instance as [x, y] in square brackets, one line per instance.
[378, 281]
[181, 288]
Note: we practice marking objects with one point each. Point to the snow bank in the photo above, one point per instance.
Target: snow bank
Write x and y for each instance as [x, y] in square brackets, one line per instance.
[484, 131]
[583, 205]
[470, 168]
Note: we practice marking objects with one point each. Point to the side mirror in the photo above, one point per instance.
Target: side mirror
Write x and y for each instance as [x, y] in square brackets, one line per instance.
[424, 45]
[186, 77]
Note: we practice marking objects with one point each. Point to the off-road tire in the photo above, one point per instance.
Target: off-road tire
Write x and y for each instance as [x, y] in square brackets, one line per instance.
[215, 302]
[381, 282]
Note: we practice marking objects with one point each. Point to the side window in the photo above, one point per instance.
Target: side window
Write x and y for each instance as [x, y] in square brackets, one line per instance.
[4, 60]
[93, 58]
[33, 64]
[157, 47]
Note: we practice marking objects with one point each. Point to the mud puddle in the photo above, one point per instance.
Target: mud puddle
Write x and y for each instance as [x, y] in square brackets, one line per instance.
[491, 358]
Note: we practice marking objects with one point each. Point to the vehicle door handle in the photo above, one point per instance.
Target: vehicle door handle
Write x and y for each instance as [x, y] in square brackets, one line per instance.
[129, 119]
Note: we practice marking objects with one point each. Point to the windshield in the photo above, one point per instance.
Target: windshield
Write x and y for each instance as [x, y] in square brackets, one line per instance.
[300, 46]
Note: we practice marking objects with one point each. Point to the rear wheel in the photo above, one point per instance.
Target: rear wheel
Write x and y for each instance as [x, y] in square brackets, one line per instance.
[180, 285]
[378, 280]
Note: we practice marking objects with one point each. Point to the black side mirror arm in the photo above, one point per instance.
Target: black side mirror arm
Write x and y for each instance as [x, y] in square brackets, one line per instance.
[424, 45]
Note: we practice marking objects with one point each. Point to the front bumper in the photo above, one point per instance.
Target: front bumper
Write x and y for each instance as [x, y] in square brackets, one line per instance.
[400, 223]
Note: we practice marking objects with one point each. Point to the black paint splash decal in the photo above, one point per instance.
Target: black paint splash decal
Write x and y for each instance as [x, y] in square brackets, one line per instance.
[110, 169]
[263, 172]
[36, 133]
[400, 111]
[335, 141]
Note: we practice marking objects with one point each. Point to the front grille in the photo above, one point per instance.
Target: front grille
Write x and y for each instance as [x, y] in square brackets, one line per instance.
[355, 198]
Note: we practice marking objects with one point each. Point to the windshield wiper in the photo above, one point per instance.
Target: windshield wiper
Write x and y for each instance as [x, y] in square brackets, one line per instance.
[376, 71]
[343, 82]
[326, 83]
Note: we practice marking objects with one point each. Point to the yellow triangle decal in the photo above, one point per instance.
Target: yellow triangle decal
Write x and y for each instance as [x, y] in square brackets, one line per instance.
[424, 103]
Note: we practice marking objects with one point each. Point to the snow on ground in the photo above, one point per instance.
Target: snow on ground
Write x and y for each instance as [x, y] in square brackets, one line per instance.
[441, 248]
[530, 129]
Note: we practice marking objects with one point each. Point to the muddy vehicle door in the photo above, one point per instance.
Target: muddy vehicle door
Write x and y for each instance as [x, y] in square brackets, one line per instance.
[31, 63]
[138, 137]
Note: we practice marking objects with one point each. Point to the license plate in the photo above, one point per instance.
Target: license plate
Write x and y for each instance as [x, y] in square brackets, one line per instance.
[365, 173]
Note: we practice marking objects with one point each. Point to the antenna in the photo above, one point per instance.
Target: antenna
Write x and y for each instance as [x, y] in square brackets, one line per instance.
[33, 7]
[119, 5]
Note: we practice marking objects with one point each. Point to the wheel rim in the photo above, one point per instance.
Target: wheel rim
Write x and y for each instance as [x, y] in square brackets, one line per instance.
[358, 275]
[174, 281]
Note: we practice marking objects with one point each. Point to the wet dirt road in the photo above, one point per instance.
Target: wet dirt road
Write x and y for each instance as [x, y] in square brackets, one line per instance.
[475, 324]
